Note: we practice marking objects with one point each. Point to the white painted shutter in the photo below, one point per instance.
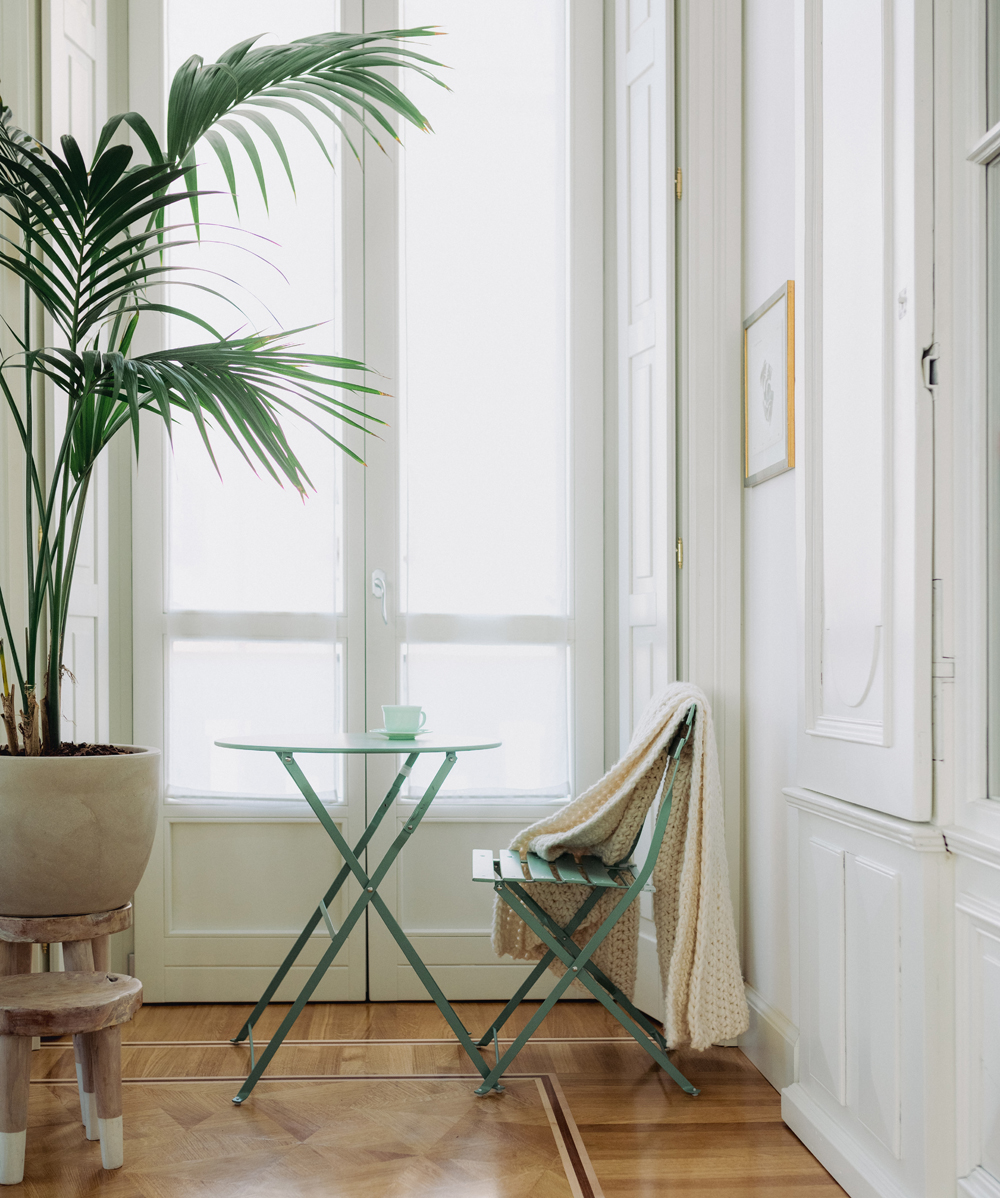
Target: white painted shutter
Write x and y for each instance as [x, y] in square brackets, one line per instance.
[865, 317]
[645, 152]
[644, 103]
[74, 100]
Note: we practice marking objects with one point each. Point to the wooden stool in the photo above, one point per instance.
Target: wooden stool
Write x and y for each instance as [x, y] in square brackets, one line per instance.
[85, 946]
[91, 1005]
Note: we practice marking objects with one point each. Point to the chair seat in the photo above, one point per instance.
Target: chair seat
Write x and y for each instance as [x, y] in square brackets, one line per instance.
[56, 1004]
[565, 870]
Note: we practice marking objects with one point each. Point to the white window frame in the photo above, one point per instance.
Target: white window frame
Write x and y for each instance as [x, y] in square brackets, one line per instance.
[960, 665]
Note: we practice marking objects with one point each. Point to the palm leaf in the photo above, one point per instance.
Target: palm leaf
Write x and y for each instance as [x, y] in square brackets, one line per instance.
[339, 69]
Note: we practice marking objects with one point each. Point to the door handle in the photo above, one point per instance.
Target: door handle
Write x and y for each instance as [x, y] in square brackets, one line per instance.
[379, 591]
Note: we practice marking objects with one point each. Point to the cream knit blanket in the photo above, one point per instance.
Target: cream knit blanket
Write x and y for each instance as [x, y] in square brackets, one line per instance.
[695, 936]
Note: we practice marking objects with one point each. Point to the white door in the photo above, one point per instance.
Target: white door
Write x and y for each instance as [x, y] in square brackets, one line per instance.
[476, 292]
[868, 283]
[245, 626]
[484, 267]
[644, 103]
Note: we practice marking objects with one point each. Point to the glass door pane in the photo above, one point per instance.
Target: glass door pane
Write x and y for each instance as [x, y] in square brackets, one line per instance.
[238, 544]
[485, 424]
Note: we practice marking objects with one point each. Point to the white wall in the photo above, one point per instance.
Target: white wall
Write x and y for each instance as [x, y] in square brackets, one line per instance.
[770, 613]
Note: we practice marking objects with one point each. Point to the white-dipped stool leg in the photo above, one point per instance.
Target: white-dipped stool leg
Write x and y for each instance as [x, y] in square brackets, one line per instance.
[79, 954]
[106, 1055]
[15, 1070]
[112, 1143]
[12, 1157]
[85, 1085]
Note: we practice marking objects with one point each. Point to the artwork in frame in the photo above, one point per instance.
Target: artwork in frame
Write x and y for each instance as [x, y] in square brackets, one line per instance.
[769, 388]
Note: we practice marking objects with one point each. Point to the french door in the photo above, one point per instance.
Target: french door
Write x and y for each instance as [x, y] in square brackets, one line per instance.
[466, 268]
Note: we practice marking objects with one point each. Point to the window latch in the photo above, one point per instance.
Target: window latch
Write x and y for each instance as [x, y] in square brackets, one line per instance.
[929, 364]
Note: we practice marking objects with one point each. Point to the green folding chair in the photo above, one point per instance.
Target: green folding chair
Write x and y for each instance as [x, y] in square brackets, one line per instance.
[512, 880]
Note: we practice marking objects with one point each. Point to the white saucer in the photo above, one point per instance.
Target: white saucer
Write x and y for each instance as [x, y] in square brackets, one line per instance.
[397, 735]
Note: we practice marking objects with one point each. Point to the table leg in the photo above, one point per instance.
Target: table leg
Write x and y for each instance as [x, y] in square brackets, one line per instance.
[432, 988]
[369, 884]
[328, 898]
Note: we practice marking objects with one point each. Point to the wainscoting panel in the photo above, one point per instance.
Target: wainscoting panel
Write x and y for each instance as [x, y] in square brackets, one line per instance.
[873, 1029]
[225, 896]
[823, 969]
[875, 985]
[978, 994]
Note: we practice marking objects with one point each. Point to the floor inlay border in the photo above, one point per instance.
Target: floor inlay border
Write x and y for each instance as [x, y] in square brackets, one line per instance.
[625, 1040]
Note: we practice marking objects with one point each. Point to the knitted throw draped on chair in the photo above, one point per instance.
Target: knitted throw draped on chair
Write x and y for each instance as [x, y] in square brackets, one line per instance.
[695, 936]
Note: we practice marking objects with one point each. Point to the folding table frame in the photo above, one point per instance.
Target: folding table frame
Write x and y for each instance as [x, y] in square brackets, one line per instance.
[368, 744]
[510, 880]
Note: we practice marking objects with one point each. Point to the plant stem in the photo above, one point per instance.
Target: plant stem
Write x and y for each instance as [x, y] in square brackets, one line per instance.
[30, 469]
[59, 614]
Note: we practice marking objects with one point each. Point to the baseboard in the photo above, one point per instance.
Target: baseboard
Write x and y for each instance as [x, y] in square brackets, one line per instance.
[771, 1042]
[853, 1168]
[979, 1184]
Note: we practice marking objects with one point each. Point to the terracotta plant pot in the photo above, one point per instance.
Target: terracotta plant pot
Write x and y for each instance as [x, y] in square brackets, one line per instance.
[75, 832]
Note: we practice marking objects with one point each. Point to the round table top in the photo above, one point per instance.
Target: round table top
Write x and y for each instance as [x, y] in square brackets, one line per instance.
[370, 742]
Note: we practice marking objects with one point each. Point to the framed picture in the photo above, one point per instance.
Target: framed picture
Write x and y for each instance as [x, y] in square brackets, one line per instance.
[769, 388]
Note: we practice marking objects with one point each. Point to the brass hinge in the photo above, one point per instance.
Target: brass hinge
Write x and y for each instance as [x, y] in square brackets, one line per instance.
[679, 182]
[680, 554]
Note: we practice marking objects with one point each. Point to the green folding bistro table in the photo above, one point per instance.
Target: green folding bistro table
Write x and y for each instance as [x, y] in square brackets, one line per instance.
[355, 743]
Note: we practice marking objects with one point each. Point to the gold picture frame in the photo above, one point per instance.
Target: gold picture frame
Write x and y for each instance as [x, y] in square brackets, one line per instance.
[769, 373]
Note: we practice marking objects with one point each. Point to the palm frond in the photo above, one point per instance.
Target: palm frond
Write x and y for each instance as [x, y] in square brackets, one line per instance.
[242, 385]
[335, 74]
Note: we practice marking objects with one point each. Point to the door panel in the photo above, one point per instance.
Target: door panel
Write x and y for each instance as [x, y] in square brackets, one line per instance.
[868, 284]
[644, 103]
[245, 627]
[493, 549]
[471, 507]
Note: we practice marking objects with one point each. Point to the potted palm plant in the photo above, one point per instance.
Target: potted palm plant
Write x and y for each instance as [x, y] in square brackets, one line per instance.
[90, 246]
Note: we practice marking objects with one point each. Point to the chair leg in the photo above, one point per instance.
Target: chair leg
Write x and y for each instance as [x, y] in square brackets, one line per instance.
[15, 1070]
[106, 1049]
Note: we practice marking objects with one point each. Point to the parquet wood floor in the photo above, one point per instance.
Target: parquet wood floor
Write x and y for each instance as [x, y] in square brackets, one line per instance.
[376, 1100]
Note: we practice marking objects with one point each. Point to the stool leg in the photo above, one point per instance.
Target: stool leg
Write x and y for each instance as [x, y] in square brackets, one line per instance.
[15, 1069]
[101, 948]
[77, 954]
[106, 1047]
[14, 958]
[85, 1082]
